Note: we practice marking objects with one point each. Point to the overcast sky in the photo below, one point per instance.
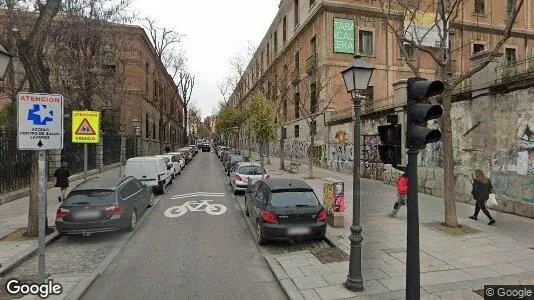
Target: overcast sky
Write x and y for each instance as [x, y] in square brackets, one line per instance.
[214, 32]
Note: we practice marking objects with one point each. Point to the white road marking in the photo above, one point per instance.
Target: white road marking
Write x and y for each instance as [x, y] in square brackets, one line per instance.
[200, 194]
[201, 205]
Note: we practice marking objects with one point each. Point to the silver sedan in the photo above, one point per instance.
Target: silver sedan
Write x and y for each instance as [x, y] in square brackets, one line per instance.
[241, 173]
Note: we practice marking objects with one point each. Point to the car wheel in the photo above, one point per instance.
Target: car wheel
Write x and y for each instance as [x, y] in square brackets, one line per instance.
[259, 235]
[152, 200]
[133, 221]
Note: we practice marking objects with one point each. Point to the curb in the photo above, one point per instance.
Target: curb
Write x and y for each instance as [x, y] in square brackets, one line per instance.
[17, 260]
[83, 285]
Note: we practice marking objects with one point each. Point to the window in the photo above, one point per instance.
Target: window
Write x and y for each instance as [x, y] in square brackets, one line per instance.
[313, 128]
[480, 6]
[369, 94]
[297, 62]
[284, 133]
[297, 105]
[147, 127]
[313, 45]
[365, 39]
[510, 7]
[312, 2]
[477, 47]
[313, 98]
[275, 42]
[146, 78]
[296, 11]
[294, 199]
[153, 129]
[284, 29]
[128, 189]
[91, 196]
[297, 131]
[510, 56]
[268, 52]
[285, 108]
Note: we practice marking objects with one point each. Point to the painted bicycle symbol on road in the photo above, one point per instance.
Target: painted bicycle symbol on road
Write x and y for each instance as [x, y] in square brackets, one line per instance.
[213, 209]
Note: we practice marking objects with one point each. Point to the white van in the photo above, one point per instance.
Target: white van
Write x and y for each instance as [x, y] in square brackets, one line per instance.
[150, 170]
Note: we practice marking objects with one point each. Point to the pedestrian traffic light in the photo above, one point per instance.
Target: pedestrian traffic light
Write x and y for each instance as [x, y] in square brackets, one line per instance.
[420, 110]
[390, 138]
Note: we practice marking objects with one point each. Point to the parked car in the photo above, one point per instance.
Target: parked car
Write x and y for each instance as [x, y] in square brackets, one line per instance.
[186, 154]
[150, 170]
[174, 162]
[244, 171]
[194, 149]
[285, 209]
[103, 204]
[181, 159]
[205, 147]
[231, 160]
[221, 152]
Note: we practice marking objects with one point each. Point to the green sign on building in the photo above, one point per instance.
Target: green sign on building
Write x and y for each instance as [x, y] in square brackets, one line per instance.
[343, 36]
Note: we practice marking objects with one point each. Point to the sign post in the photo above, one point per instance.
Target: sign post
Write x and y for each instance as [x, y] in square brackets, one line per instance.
[40, 128]
[86, 130]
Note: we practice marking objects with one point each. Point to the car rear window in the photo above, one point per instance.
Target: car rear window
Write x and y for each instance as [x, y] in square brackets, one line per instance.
[250, 170]
[294, 199]
[236, 158]
[90, 197]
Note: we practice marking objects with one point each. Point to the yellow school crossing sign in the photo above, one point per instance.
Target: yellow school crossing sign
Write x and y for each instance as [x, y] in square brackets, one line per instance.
[86, 127]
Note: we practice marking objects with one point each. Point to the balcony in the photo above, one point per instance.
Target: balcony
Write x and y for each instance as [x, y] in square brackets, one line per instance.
[508, 71]
[311, 64]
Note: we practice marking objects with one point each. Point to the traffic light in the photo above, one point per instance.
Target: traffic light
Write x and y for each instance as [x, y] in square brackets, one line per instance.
[420, 110]
[390, 138]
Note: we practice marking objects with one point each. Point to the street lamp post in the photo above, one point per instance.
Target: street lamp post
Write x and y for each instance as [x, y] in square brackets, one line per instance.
[356, 77]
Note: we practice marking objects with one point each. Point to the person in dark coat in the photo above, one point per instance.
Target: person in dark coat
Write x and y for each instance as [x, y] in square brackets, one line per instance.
[62, 180]
[481, 190]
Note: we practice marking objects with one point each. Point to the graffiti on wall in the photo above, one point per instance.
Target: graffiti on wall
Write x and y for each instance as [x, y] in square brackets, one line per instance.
[299, 151]
[372, 166]
[519, 160]
[340, 153]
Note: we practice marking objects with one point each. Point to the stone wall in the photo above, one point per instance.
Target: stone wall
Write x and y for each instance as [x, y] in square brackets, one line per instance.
[494, 133]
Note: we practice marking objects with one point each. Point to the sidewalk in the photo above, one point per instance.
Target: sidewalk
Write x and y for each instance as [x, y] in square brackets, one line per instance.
[14, 215]
[451, 266]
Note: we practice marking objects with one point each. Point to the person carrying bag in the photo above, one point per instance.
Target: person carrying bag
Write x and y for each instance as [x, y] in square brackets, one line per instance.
[482, 190]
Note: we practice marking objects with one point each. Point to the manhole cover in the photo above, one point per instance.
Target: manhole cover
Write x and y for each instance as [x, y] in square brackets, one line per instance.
[330, 255]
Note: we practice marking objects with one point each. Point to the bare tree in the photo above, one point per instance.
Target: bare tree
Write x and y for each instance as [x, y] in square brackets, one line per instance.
[165, 41]
[186, 84]
[400, 17]
[31, 51]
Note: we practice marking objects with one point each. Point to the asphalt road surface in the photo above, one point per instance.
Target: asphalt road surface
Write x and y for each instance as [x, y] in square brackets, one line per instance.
[201, 254]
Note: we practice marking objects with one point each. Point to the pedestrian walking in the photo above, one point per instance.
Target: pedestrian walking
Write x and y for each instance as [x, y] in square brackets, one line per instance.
[481, 191]
[62, 180]
[402, 194]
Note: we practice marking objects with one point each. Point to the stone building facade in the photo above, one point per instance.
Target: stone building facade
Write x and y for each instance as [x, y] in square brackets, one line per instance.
[297, 53]
[142, 92]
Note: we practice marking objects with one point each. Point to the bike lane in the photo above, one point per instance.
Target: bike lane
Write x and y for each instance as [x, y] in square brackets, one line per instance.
[196, 245]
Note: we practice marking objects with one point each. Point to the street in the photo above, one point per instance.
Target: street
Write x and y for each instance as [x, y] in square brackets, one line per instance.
[194, 256]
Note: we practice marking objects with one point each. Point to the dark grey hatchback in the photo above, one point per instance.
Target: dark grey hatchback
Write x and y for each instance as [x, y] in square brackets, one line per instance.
[285, 209]
[102, 205]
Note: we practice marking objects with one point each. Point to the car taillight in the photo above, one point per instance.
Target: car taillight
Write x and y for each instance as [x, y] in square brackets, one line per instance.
[169, 165]
[61, 213]
[237, 177]
[268, 217]
[116, 210]
[321, 216]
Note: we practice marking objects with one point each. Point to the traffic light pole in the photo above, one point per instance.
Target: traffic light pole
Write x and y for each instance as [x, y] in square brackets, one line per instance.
[412, 253]
[354, 278]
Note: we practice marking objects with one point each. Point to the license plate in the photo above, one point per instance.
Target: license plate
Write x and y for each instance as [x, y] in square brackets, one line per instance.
[88, 214]
[298, 231]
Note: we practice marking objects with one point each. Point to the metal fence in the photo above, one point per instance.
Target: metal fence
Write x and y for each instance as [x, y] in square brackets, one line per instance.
[15, 165]
[112, 149]
[72, 153]
[131, 147]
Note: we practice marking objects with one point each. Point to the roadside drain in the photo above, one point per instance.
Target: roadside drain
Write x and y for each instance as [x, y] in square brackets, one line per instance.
[329, 255]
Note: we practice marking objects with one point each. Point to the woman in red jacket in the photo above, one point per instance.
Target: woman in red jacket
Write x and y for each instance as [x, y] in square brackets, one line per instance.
[402, 190]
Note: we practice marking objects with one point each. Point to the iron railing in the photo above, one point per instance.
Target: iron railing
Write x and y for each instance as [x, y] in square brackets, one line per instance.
[131, 147]
[15, 165]
[514, 70]
[72, 153]
[112, 149]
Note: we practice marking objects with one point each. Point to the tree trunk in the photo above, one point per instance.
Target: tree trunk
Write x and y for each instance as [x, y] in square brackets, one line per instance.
[185, 125]
[448, 163]
[33, 209]
[310, 156]
[249, 146]
[282, 166]
[261, 154]
[268, 153]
